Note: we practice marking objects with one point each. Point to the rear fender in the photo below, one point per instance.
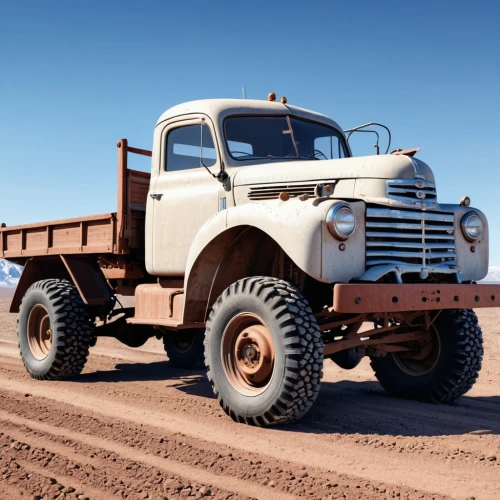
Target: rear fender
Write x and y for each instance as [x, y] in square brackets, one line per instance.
[84, 272]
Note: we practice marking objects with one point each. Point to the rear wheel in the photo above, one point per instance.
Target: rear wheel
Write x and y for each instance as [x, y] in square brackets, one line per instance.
[264, 352]
[185, 348]
[54, 330]
[445, 369]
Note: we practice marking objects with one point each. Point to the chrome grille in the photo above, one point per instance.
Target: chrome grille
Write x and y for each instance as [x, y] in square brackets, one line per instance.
[271, 192]
[411, 190]
[409, 237]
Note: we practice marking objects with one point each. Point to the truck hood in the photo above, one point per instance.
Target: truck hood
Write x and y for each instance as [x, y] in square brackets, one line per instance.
[365, 167]
[386, 179]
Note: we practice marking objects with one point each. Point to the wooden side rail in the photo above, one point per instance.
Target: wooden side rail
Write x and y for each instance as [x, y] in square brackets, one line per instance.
[132, 189]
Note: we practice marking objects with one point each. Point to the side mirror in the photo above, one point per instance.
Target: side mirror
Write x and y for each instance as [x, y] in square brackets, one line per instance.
[208, 155]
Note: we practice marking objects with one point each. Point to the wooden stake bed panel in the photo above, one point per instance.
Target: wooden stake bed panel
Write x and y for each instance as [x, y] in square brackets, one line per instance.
[69, 236]
[371, 298]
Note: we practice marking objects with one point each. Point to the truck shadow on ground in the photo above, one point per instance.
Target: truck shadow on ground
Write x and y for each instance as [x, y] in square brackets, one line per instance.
[343, 407]
[144, 372]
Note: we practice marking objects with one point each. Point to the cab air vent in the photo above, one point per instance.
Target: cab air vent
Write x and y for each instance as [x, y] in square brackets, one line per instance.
[273, 192]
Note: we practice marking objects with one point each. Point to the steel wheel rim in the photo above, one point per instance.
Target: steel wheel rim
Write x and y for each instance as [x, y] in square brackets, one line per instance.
[248, 355]
[420, 367]
[39, 332]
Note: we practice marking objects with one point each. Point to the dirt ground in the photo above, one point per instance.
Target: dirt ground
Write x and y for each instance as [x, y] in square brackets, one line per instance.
[133, 427]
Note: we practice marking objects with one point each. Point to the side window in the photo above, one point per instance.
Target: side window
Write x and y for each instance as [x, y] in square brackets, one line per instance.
[186, 150]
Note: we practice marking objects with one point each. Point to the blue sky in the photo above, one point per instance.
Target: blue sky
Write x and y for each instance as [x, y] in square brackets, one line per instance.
[77, 76]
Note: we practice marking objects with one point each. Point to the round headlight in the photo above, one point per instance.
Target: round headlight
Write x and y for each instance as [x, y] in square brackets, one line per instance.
[341, 221]
[472, 226]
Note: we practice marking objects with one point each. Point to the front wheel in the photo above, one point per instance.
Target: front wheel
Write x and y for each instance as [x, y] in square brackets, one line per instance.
[264, 352]
[445, 370]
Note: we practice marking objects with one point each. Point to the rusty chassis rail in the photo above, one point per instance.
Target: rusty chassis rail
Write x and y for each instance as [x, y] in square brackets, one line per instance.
[403, 314]
[390, 331]
[378, 298]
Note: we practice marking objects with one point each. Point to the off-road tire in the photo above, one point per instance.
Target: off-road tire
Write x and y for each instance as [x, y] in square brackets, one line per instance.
[71, 327]
[298, 346]
[455, 371]
[192, 357]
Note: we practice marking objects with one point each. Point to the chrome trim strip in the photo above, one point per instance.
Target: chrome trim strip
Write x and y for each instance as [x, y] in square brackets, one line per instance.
[402, 225]
[408, 235]
[413, 183]
[396, 244]
[391, 253]
[409, 189]
[407, 215]
[398, 263]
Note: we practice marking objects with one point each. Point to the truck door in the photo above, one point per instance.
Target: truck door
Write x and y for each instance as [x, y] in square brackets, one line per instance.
[185, 195]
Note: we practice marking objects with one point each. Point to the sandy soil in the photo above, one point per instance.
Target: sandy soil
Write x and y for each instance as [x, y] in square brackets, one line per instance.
[133, 427]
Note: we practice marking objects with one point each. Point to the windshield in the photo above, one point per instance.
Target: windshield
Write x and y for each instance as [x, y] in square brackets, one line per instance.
[257, 137]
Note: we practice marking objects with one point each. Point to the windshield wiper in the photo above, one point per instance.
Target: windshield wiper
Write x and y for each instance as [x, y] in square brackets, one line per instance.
[291, 157]
[290, 131]
[272, 157]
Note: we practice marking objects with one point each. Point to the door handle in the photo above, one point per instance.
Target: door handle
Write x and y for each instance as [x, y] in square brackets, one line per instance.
[155, 196]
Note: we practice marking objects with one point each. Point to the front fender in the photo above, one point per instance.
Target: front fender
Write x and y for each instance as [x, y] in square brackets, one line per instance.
[300, 230]
[295, 225]
[220, 253]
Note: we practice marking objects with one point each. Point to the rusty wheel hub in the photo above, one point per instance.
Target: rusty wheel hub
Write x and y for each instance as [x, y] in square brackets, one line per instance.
[423, 361]
[39, 332]
[248, 354]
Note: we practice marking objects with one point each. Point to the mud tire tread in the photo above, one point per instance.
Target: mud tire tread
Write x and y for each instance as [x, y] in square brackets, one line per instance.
[462, 371]
[74, 328]
[303, 349]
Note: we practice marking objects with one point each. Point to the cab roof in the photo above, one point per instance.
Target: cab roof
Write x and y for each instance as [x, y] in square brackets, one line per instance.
[218, 109]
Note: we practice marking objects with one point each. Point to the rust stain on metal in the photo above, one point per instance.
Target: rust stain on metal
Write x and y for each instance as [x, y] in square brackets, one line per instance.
[369, 298]
[405, 152]
[157, 304]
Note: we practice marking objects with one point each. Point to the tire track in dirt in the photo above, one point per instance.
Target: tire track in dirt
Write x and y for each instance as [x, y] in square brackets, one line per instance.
[221, 482]
[223, 460]
[21, 471]
[95, 468]
[347, 460]
[256, 468]
[107, 477]
[356, 417]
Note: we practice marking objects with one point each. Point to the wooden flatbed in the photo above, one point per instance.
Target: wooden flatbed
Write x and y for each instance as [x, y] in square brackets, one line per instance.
[119, 233]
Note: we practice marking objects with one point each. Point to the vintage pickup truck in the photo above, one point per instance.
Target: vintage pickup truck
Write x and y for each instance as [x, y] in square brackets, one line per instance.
[258, 246]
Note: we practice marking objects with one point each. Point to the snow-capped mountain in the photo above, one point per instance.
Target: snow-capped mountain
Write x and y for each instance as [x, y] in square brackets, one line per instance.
[9, 273]
[493, 275]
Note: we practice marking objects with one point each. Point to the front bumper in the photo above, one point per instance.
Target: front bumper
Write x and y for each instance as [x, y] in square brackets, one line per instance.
[373, 298]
